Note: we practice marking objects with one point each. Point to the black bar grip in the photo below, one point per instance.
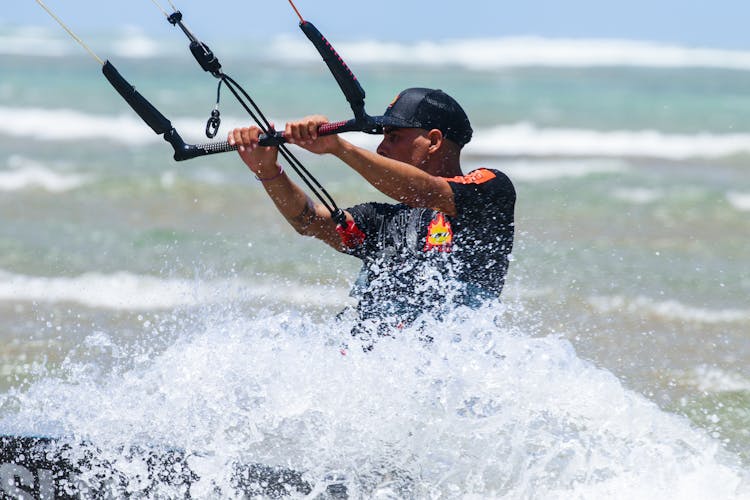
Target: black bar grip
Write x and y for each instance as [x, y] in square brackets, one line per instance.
[278, 138]
[341, 72]
[184, 151]
[216, 147]
[339, 127]
[153, 118]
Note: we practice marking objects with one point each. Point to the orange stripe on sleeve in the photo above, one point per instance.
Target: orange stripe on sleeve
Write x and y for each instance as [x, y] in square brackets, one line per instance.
[478, 176]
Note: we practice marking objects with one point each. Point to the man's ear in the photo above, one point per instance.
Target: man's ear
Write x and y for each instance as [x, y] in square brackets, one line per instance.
[436, 139]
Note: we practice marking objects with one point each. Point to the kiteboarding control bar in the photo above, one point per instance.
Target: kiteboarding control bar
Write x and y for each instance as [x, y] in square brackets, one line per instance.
[345, 78]
[161, 125]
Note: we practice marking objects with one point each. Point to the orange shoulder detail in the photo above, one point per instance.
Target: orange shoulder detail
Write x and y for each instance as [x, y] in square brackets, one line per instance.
[478, 176]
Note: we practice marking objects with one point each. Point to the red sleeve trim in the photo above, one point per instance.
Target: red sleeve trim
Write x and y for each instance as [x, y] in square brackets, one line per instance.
[351, 235]
[478, 176]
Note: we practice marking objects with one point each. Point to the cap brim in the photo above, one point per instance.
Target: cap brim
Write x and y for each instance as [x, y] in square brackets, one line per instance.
[392, 121]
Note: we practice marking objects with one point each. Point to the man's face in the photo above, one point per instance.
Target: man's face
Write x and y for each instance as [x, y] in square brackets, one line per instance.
[409, 145]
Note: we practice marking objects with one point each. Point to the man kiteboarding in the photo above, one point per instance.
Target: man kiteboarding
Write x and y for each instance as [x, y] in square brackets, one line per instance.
[445, 243]
[447, 240]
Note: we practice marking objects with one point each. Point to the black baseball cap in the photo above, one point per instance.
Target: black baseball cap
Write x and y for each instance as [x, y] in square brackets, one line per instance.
[428, 109]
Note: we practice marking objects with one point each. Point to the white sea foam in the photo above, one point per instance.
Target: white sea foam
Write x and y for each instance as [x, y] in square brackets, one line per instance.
[521, 139]
[470, 53]
[525, 139]
[127, 291]
[480, 412]
[639, 195]
[136, 44]
[671, 310]
[739, 200]
[544, 170]
[712, 379]
[28, 174]
[34, 41]
[497, 53]
[73, 125]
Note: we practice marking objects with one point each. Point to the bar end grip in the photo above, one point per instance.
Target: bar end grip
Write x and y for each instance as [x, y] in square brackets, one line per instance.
[148, 113]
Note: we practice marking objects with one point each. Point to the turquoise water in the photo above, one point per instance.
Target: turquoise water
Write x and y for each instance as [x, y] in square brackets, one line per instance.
[616, 365]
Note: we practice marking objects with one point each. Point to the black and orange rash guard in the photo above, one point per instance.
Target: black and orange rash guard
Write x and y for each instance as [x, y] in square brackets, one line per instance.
[418, 259]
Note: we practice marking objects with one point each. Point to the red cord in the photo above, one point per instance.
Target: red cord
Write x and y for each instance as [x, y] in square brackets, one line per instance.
[295, 10]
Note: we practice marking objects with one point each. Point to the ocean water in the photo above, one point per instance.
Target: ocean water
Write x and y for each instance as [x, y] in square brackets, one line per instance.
[148, 301]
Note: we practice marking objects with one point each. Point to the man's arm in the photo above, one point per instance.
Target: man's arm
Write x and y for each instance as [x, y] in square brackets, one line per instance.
[305, 216]
[399, 180]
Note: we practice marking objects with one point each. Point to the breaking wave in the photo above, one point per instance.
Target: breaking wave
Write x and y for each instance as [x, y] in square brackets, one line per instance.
[669, 309]
[470, 53]
[544, 170]
[28, 174]
[739, 200]
[482, 411]
[525, 139]
[521, 139]
[498, 53]
[128, 291]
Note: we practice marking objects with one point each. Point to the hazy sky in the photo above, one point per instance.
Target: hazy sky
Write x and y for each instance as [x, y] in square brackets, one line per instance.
[710, 23]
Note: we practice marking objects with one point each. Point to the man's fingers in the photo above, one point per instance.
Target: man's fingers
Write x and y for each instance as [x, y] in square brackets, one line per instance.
[312, 130]
[245, 138]
[250, 137]
[304, 131]
[300, 132]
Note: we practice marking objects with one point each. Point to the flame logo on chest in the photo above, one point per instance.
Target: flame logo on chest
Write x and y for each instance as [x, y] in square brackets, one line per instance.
[439, 235]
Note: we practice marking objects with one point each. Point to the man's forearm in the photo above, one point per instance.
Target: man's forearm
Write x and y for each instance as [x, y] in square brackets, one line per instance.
[398, 180]
[303, 214]
[293, 204]
[304, 219]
